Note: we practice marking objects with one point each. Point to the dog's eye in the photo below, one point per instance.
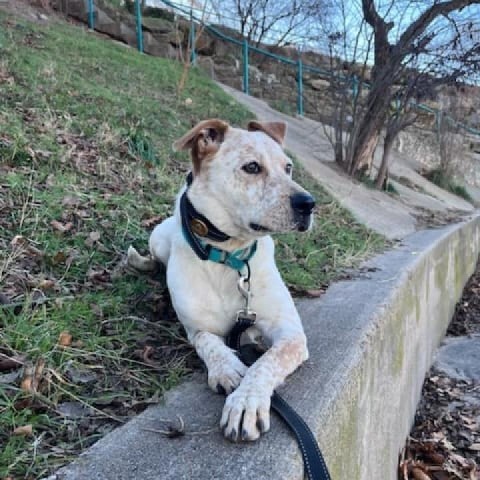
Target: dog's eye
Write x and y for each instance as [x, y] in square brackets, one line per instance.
[288, 169]
[252, 167]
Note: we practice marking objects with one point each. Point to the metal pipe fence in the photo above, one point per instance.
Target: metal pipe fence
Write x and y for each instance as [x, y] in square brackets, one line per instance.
[298, 64]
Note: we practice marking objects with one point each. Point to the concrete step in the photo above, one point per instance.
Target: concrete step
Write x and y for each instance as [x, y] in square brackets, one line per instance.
[371, 341]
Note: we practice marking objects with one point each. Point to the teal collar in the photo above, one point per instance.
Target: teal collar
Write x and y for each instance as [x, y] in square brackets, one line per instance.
[195, 226]
[238, 259]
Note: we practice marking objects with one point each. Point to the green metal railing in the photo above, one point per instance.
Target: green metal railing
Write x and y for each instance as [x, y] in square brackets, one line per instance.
[138, 15]
[91, 14]
[247, 48]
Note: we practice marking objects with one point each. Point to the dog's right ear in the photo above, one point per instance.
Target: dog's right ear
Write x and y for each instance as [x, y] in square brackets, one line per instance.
[203, 140]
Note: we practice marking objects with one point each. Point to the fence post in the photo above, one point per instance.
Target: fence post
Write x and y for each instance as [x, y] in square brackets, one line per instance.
[138, 14]
[91, 17]
[245, 67]
[193, 54]
[300, 87]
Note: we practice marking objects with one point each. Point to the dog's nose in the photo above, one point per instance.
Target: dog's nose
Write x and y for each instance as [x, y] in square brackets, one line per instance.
[302, 203]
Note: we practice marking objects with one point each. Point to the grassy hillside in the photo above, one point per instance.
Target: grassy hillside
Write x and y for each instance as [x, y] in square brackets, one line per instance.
[86, 169]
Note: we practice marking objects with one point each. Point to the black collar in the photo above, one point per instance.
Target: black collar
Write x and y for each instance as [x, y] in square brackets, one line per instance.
[194, 222]
[197, 228]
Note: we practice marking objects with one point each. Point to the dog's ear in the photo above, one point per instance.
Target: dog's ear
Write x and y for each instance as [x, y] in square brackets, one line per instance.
[275, 130]
[203, 139]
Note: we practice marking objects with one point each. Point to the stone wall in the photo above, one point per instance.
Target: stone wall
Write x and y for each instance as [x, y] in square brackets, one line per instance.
[421, 146]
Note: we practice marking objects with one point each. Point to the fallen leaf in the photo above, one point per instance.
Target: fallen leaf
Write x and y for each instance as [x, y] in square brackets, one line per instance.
[314, 293]
[462, 461]
[19, 241]
[102, 276]
[65, 339]
[46, 284]
[152, 221]
[32, 376]
[4, 300]
[148, 351]
[59, 257]
[61, 227]
[419, 474]
[71, 201]
[9, 363]
[24, 430]
[27, 380]
[73, 409]
[37, 373]
[94, 236]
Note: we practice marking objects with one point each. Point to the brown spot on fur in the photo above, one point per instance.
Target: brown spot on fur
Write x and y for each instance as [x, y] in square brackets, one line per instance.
[203, 141]
[275, 130]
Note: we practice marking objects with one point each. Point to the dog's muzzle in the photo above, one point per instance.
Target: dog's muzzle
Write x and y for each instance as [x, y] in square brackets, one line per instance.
[302, 204]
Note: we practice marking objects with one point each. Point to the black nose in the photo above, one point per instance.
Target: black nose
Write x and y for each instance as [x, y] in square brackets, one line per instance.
[302, 203]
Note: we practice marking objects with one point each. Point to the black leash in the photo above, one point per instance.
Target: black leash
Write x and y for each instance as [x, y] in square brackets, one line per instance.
[314, 464]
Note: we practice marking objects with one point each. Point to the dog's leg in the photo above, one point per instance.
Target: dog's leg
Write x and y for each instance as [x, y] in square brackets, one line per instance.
[246, 413]
[225, 370]
[160, 241]
[139, 262]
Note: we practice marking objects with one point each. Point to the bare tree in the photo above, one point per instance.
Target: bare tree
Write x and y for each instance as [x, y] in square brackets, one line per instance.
[459, 58]
[273, 21]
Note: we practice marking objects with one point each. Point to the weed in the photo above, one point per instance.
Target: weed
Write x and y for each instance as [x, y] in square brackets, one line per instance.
[445, 181]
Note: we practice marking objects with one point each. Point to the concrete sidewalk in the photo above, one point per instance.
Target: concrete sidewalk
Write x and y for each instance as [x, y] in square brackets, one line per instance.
[371, 340]
[394, 216]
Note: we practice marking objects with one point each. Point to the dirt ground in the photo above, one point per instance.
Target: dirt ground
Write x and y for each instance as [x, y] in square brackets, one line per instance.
[444, 443]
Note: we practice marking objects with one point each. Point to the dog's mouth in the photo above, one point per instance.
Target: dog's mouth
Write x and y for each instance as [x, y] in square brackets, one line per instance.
[259, 228]
[301, 223]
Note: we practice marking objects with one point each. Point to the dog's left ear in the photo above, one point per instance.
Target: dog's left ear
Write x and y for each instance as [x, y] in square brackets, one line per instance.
[275, 130]
[203, 139]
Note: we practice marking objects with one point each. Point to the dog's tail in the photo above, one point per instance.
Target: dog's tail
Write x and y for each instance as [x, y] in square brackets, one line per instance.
[139, 262]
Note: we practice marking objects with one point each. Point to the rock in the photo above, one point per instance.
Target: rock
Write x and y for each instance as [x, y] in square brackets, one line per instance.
[205, 45]
[459, 358]
[158, 25]
[319, 84]
[475, 146]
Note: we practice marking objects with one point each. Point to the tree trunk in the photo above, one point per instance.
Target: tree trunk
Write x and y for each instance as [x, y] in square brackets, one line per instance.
[383, 170]
[370, 126]
[338, 142]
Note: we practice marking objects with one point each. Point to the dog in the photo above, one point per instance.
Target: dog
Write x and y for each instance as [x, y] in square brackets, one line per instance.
[240, 191]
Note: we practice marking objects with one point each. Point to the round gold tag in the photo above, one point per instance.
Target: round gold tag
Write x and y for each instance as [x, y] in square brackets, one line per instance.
[199, 227]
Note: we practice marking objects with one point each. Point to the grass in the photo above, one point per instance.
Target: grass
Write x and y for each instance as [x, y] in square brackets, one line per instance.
[369, 182]
[445, 181]
[86, 169]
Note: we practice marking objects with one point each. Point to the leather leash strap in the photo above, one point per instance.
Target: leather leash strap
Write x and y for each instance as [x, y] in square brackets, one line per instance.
[314, 464]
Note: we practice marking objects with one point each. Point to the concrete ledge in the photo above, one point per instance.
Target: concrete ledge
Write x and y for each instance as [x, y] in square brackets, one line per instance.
[371, 342]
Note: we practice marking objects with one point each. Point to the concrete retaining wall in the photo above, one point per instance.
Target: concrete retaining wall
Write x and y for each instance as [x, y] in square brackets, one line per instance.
[371, 342]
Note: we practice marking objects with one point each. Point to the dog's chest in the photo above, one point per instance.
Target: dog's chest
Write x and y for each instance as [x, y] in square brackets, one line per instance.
[214, 303]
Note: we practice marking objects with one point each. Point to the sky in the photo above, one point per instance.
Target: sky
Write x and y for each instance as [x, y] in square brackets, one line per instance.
[346, 16]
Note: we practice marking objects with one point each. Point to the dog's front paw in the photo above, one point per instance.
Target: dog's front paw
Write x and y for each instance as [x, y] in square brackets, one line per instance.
[226, 377]
[246, 414]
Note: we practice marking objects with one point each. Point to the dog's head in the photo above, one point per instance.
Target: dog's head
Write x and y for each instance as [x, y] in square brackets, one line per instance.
[242, 179]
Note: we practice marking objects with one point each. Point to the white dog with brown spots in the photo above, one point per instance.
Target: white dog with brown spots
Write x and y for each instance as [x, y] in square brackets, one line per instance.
[241, 189]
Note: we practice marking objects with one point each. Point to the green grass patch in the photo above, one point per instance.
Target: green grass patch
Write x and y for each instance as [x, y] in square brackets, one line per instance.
[86, 169]
[441, 179]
